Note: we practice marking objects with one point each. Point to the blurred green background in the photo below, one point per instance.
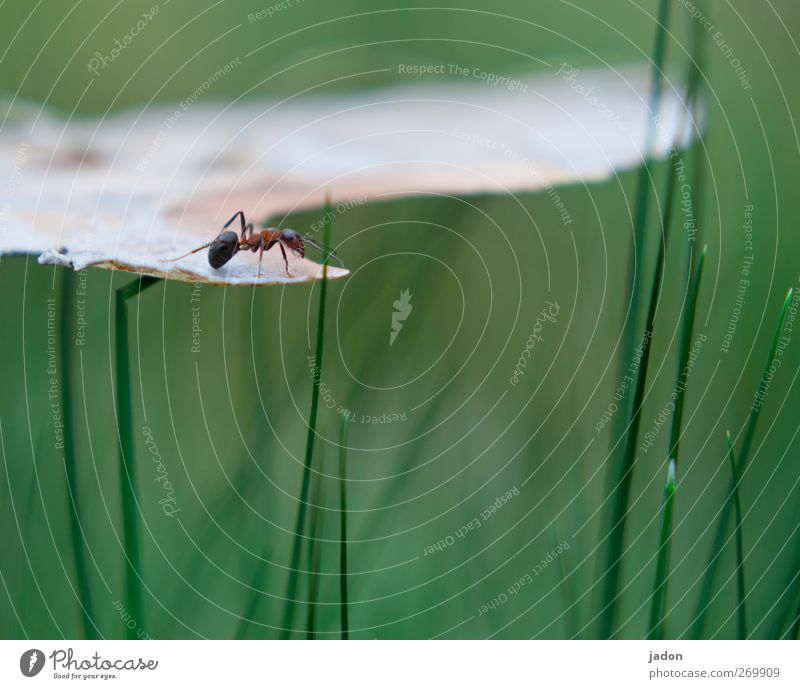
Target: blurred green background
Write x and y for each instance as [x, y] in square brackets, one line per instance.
[230, 420]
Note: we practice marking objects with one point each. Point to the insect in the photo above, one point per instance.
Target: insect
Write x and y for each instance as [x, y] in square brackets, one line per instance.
[227, 244]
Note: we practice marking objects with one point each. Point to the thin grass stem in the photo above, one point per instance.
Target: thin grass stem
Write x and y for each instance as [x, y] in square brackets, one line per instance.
[741, 587]
[643, 184]
[709, 581]
[657, 611]
[127, 463]
[569, 598]
[619, 473]
[343, 597]
[314, 554]
[291, 589]
[645, 178]
[77, 535]
[660, 586]
[698, 143]
[252, 602]
[620, 495]
[786, 604]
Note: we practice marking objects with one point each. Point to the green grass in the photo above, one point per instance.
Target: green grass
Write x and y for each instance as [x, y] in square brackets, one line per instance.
[658, 608]
[344, 619]
[643, 188]
[786, 605]
[294, 566]
[127, 456]
[764, 383]
[698, 142]
[255, 594]
[741, 588]
[315, 552]
[620, 495]
[707, 591]
[645, 180]
[621, 476]
[620, 473]
[570, 604]
[658, 612]
[76, 531]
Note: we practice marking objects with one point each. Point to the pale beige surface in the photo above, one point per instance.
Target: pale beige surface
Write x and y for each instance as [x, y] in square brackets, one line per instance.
[139, 186]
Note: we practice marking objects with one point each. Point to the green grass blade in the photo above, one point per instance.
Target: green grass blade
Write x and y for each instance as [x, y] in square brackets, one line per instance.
[687, 330]
[252, 603]
[787, 605]
[643, 184]
[657, 611]
[620, 492]
[570, 605]
[741, 587]
[127, 463]
[619, 471]
[698, 143]
[314, 554]
[709, 581]
[658, 606]
[77, 536]
[642, 198]
[644, 181]
[343, 598]
[291, 589]
[764, 383]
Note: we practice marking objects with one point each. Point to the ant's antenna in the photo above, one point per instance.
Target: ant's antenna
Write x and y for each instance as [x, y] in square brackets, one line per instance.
[323, 249]
[171, 260]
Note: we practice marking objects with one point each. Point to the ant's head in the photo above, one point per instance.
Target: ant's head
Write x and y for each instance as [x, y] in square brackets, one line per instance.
[297, 243]
[294, 241]
[222, 249]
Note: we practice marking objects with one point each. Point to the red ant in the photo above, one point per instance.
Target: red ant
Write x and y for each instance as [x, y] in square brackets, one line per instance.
[227, 244]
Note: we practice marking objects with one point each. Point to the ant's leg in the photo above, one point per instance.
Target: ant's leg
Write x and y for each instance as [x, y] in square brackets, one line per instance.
[285, 260]
[260, 257]
[240, 215]
[263, 248]
[247, 231]
[194, 251]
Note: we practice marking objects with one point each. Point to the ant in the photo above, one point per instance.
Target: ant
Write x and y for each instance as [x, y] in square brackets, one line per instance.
[227, 244]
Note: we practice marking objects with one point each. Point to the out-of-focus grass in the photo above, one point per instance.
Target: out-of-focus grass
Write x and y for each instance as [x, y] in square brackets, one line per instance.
[127, 456]
[707, 593]
[66, 337]
[343, 595]
[255, 595]
[315, 525]
[316, 381]
[621, 474]
[658, 610]
[741, 608]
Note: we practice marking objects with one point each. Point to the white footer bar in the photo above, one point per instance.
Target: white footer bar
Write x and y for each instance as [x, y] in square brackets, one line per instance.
[379, 664]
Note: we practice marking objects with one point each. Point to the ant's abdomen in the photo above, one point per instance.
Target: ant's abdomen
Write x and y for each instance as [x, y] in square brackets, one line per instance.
[222, 249]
